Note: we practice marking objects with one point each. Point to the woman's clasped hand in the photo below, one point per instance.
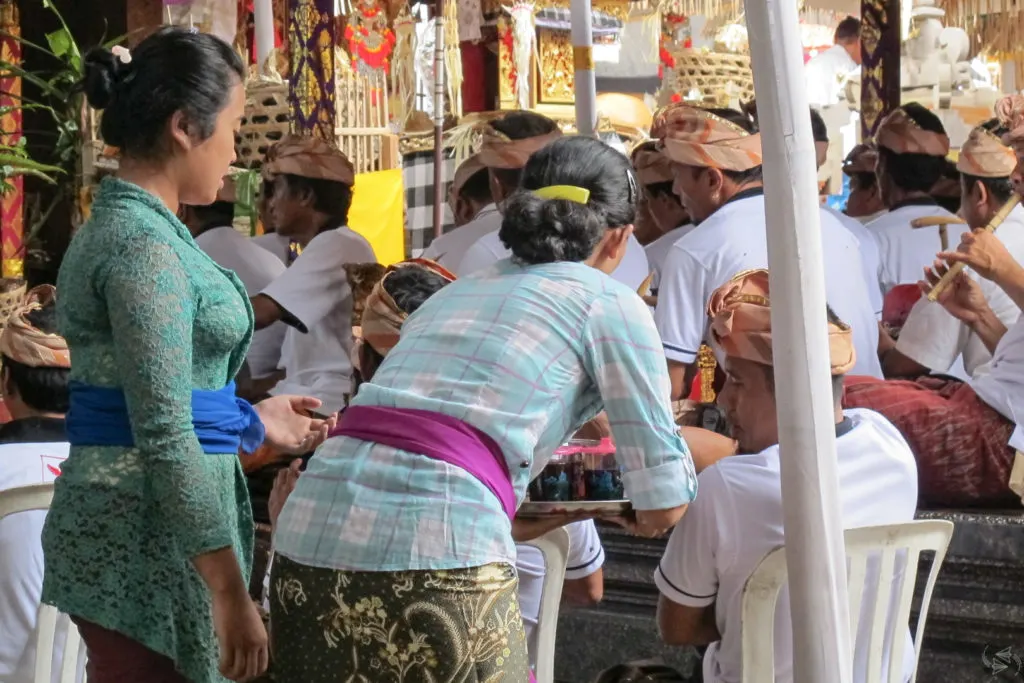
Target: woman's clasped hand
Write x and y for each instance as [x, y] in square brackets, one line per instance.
[290, 427]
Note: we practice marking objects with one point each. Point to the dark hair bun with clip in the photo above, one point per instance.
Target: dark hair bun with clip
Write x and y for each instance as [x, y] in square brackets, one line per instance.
[172, 70]
[539, 230]
[103, 72]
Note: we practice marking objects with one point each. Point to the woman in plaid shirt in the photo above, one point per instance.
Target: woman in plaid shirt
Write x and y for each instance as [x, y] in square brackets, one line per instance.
[394, 553]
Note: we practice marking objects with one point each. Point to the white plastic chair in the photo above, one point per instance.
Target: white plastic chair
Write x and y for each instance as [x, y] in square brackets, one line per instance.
[554, 546]
[889, 544]
[25, 499]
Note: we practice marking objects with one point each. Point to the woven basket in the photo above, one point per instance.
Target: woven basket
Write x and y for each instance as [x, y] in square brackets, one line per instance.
[709, 73]
[12, 293]
[267, 119]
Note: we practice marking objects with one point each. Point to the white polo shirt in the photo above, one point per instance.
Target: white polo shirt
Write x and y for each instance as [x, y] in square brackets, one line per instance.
[657, 251]
[586, 556]
[734, 239]
[21, 558]
[868, 255]
[449, 249]
[1002, 387]
[935, 339]
[737, 519]
[256, 267]
[1017, 438]
[488, 250]
[905, 251]
[316, 293]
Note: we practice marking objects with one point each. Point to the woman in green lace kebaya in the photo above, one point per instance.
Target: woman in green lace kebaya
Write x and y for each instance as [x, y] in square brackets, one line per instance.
[149, 538]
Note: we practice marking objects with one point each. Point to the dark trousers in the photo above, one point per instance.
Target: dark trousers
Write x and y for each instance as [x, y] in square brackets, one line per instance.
[116, 658]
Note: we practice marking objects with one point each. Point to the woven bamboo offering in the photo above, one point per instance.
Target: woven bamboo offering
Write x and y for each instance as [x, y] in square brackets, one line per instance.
[267, 119]
[12, 292]
[709, 73]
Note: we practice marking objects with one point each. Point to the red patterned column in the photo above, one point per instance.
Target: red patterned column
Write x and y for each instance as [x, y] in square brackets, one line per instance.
[12, 227]
[880, 70]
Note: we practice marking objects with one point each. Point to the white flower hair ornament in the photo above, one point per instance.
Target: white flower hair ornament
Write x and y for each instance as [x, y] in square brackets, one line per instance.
[122, 53]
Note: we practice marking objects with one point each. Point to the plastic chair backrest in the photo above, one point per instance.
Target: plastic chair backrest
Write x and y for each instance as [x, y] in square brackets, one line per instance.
[890, 544]
[554, 546]
[26, 499]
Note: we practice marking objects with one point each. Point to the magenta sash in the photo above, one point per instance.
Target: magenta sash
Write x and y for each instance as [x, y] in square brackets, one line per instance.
[436, 436]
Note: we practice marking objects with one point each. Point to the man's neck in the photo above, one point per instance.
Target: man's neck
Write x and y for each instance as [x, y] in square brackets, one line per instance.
[898, 197]
[23, 412]
[320, 224]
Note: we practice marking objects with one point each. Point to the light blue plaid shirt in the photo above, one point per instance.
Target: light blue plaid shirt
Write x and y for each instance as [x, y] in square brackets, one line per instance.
[527, 355]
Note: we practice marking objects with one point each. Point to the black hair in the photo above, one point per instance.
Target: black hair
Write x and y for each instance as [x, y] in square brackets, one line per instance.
[863, 179]
[44, 389]
[477, 187]
[1001, 189]
[329, 196]
[174, 69]
[410, 287]
[539, 230]
[994, 126]
[659, 189]
[848, 29]
[818, 128]
[519, 125]
[216, 215]
[748, 122]
[913, 172]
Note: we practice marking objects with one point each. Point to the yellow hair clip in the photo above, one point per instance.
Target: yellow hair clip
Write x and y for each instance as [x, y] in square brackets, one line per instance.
[570, 193]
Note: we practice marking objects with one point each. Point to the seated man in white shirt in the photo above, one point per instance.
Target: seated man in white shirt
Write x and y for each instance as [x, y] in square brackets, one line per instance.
[312, 196]
[912, 149]
[32, 448]
[507, 143]
[717, 165]
[959, 431]
[256, 267]
[931, 339]
[737, 518]
[654, 171]
[473, 209]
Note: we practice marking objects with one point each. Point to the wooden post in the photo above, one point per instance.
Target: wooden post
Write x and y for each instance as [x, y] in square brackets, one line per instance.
[312, 37]
[12, 219]
[880, 37]
[815, 550]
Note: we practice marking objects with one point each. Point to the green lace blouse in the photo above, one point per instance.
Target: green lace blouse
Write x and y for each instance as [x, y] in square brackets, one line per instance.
[145, 310]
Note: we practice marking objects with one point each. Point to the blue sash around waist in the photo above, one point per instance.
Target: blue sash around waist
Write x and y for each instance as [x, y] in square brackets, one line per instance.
[98, 416]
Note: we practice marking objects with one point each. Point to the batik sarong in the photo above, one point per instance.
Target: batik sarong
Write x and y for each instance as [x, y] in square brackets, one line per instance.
[959, 441]
[455, 626]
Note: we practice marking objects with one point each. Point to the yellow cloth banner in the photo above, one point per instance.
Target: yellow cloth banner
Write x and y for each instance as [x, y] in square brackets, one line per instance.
[378, 213]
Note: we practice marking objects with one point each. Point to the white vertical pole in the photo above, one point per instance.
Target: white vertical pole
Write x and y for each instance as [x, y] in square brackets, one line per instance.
[263, 31]
[815, 551]
[581, 21]
[439, 90]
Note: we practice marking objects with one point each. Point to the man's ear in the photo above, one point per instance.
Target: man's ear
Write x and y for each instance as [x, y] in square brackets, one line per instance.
[7, 387]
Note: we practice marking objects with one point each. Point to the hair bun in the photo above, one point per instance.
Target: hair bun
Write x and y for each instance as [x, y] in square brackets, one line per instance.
[102, 75]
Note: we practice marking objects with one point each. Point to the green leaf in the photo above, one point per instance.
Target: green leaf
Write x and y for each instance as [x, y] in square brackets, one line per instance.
[25, 43]
[21, 162]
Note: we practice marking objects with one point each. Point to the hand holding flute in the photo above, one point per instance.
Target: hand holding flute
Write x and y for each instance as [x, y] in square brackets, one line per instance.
[971, 250]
